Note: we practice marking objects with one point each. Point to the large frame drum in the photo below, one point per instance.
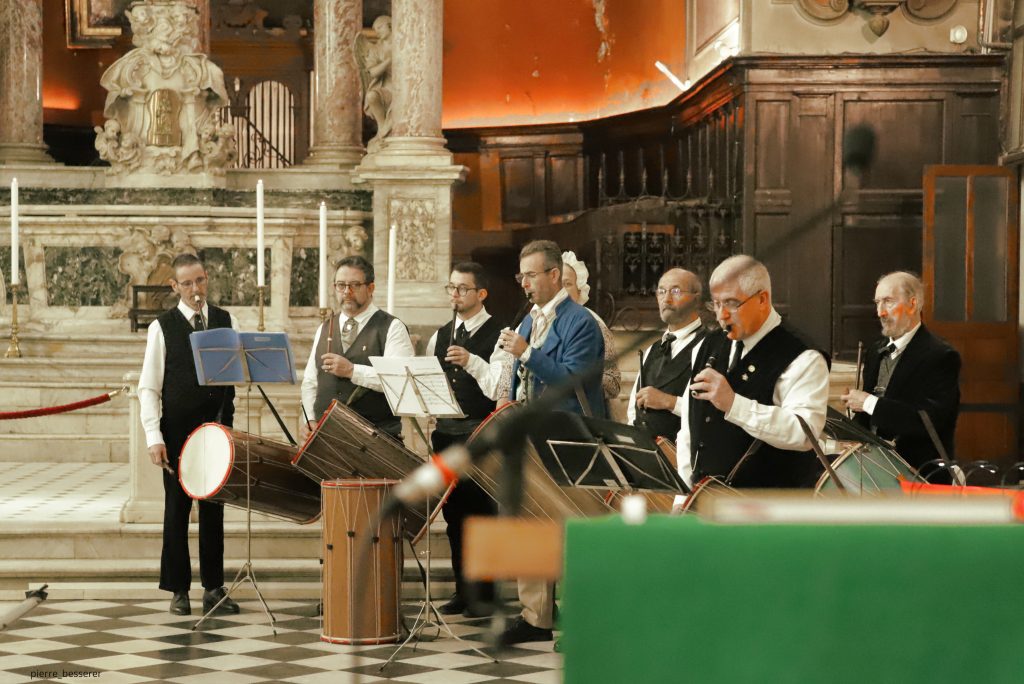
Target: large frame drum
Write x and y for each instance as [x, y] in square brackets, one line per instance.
[212, 468]
[362, 566]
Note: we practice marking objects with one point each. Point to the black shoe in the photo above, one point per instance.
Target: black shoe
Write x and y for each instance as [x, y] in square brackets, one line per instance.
[211, 597]
[180, 604]
[521, 631]
[478, 609]
[455, 606]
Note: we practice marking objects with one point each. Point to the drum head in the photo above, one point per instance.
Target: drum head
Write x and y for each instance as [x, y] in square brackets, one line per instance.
[206, 460]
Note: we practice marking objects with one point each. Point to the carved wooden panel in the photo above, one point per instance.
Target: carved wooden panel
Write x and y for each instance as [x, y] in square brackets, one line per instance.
[769, 153]
[518, 200]
[565, 184]
[909, 134]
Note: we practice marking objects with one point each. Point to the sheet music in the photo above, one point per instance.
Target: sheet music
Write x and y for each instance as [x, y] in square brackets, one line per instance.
[416, 386]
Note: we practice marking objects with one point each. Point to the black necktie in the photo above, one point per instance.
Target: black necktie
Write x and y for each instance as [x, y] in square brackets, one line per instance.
[736, 357]
[666, 344]
[888, 350]
[197, 322]
[461, 335]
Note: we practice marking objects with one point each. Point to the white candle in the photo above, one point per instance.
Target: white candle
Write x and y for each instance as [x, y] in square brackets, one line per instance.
[323, 255]
[14, 232]
[392, 260]
[259, 233]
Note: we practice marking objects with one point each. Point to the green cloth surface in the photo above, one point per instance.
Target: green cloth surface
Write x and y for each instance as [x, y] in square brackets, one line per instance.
[677, 599]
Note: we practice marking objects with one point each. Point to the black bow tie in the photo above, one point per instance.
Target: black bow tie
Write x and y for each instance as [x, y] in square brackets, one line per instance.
[887, 350]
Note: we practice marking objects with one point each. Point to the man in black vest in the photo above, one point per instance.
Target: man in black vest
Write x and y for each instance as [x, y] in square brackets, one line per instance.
[755, 378]
[658, 400]
[173, 404]
[907, 371]
[339, 363]
[476, 334]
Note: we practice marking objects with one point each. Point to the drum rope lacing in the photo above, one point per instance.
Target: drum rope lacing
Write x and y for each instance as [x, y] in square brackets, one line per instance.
[63, 408]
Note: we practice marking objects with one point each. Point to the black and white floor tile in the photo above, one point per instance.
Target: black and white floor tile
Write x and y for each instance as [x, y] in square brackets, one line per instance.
[113, 642]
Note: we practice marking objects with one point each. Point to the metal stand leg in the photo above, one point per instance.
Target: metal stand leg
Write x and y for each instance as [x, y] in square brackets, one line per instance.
[428, 616]
[245, 572]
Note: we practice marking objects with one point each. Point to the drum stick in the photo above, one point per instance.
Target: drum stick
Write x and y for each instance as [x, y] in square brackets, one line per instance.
[857, 382]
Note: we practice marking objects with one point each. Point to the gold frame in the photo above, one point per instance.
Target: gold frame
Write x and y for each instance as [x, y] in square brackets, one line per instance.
[81, 34]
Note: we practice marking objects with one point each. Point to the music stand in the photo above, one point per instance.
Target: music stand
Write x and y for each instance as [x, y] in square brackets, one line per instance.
[418, 387]
[224, 356]
[591, 453]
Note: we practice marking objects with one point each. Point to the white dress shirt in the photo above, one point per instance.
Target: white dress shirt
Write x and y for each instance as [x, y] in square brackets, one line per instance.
[802, 389]
[684, 336]
[151, 379]
[472, 324]
[901, 342]
[397, 344]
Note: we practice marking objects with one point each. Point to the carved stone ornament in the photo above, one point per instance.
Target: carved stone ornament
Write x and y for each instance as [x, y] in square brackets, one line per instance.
[416, 222]
[350, 242]
[824, 10]
[163, 99]
[373, 55]
[146, 257]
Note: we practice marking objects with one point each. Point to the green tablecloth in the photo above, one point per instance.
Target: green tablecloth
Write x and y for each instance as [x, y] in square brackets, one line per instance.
[678, 599]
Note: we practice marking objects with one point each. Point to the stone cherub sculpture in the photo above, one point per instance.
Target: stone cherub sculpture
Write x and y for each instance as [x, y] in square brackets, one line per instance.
[373, 55]
[163, 98]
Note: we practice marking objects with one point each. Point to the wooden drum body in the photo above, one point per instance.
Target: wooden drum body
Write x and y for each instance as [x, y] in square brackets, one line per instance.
[213, 465]
[362, 566]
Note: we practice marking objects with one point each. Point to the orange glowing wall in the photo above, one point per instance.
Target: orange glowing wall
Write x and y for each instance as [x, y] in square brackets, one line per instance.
[72, 95]
[547, 61]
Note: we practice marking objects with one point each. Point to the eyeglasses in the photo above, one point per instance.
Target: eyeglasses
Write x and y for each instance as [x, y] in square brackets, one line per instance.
[675, 292]
[532, 275]
[187, 284]
[730, 305]
[341, 287]
[461, 289]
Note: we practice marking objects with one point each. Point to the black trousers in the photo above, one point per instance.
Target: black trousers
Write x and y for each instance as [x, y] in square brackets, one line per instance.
[466, 499]
[175, 565]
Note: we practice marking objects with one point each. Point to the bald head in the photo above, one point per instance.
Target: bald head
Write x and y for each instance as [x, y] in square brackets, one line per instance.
[682, 297]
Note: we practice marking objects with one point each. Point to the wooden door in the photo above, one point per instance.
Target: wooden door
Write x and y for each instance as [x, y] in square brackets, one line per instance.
[971, 264]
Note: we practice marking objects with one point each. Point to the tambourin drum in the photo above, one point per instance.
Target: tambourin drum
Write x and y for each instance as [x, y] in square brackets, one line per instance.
[362, 573]
[543, 498]
[345, 445]
[212, 467]
[706, 488]
[867, 469]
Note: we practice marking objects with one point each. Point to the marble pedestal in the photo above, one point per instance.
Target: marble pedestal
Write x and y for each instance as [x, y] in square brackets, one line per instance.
[412, 190]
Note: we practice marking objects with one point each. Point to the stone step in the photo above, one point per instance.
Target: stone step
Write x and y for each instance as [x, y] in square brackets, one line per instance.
[77, 542]
[66, 448]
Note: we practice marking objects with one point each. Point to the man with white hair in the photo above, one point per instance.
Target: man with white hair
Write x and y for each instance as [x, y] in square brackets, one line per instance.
[755, 378]
[910, 370]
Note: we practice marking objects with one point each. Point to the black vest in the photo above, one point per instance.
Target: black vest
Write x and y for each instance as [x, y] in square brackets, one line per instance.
[670, 375]
[475, 404]
[370, 341]
[186, 403]
[716, 445]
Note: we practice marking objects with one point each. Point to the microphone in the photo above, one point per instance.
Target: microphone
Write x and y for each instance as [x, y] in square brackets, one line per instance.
[431, 479]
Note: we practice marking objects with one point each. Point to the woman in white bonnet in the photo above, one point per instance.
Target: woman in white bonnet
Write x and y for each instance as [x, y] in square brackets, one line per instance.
[574, 280]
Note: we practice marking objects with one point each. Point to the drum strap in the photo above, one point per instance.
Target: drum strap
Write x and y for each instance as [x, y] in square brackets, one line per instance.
[930, 428]
[751, 450]
[820, 454]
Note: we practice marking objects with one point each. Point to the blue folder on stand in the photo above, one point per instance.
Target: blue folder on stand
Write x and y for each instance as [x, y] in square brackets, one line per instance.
[224, 356]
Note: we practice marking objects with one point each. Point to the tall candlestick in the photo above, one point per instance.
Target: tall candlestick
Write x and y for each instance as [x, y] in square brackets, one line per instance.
[323, 255]
[15, 276]
[392, 262]
[259, 234]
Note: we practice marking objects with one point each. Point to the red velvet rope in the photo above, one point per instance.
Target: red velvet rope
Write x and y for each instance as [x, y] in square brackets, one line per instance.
[50, 410]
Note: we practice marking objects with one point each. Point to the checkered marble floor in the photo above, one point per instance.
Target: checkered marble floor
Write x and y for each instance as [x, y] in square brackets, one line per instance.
[139, 641]
[32, 492]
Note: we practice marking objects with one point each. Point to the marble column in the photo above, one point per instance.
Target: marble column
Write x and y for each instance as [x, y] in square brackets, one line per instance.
[418, 38]
[412, 174]
[338, 109]
[21, 83]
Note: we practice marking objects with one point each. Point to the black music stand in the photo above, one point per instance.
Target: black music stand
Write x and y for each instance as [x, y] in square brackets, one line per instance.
[591, 453]
[418, 387]
[224, 356]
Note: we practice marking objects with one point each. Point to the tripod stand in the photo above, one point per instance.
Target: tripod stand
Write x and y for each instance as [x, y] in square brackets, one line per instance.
[245, 572]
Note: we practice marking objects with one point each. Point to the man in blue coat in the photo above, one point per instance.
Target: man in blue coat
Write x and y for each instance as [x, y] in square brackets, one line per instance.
[558, 340]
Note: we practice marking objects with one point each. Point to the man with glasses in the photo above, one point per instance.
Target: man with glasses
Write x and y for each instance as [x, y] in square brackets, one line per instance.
[658, 400]
[172, 405]
[339, 363]
[754, 379]
[557, 341]
[907, 371]
[475, 335]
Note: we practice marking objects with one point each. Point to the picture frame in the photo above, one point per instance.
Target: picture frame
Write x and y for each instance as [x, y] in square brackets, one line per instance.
[95, 24]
